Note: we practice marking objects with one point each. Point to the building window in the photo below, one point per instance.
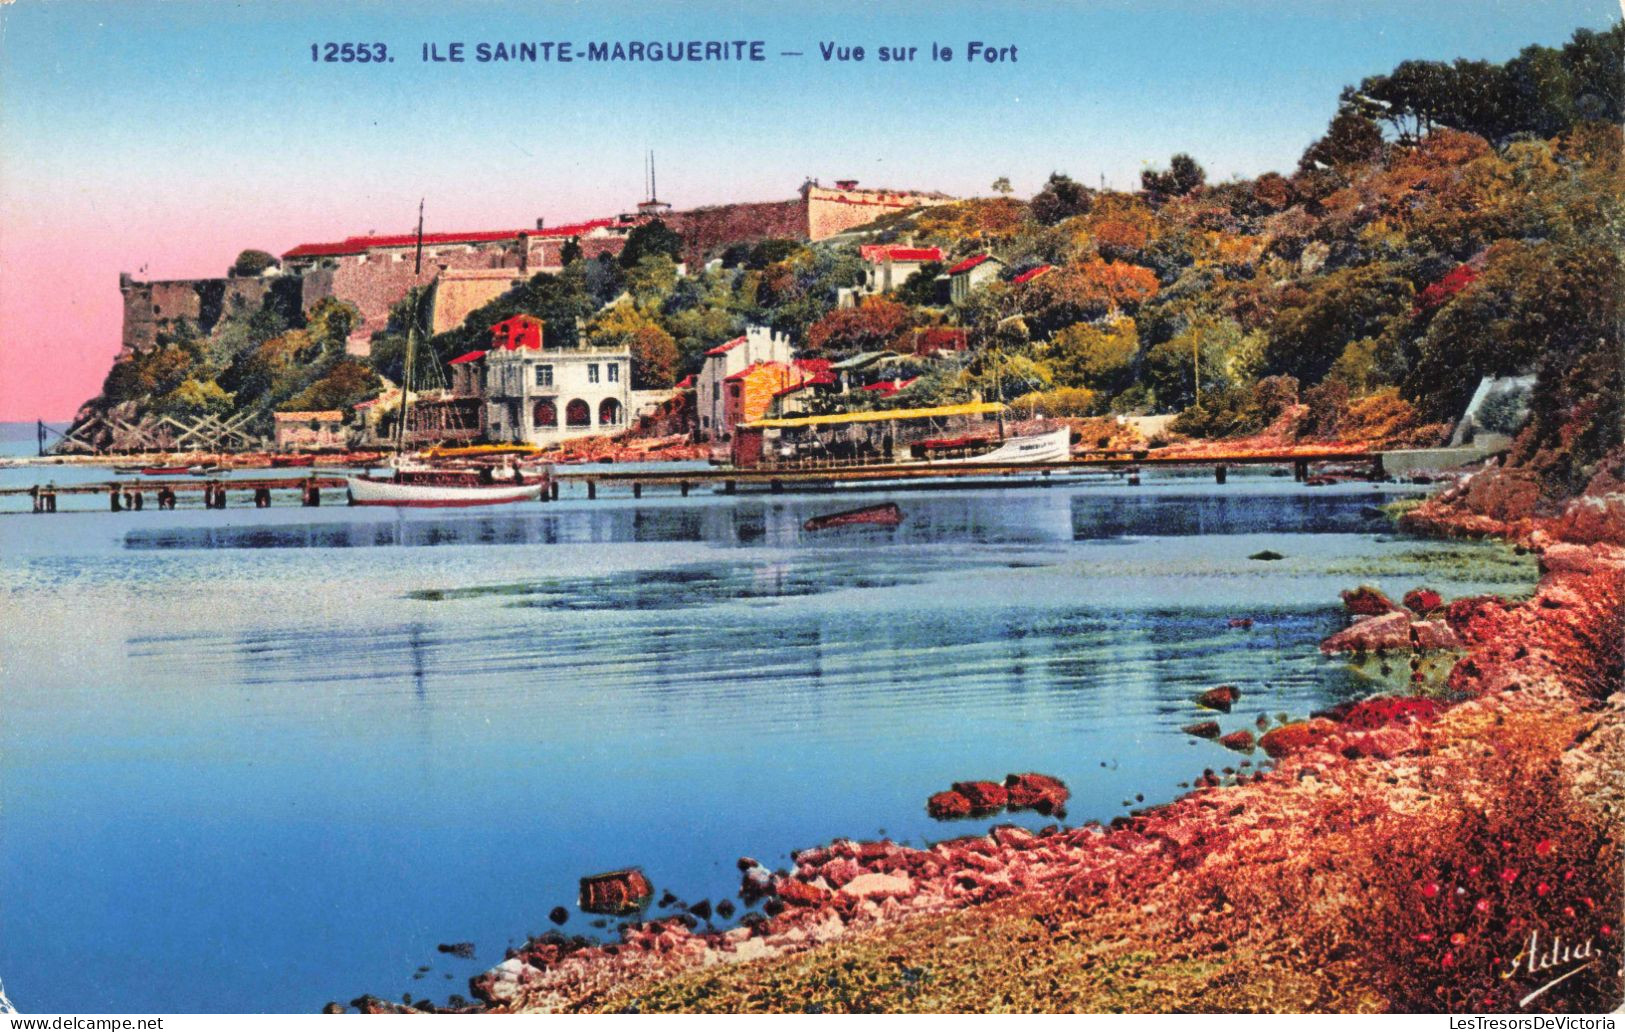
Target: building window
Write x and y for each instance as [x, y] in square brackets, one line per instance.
[609, 411]
[614, 372]
[544, 376]
[546, 416]
[592, 372]
[577, 413]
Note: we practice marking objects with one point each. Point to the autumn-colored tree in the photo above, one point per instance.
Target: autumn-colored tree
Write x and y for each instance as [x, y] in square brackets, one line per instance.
[1083, 291]
[871, 326]
[654, 359]
[987, 220]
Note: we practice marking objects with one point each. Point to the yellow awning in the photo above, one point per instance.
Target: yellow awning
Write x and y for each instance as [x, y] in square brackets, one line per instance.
[974, 408]
[477, 450]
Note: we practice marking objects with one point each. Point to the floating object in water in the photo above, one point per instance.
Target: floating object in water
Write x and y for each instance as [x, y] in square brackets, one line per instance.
[1267, 556]
[886, 514]
[1220, 698]
[1203, 729]
[457, 949]
[558, 915]
[616, 892]
[1242, 622]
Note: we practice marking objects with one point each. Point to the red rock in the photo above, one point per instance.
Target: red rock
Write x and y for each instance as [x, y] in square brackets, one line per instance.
[1593, 519]
[1381, 711]
[879, 886]
[1202, 729]
[800, 894]
[1241, 741]
[816, 856]
[1432, 635]
[947, 806]
[1480, 619]
[617, 892]
[1220, 698]
[1289, 738]
[1507, 495]
[1039, 792]
[869, 852]
[1367, 601]
[840, 871]
[1011, 837]
[1382, 744]
[1389, 631]
[983, 795]
[1423, 601]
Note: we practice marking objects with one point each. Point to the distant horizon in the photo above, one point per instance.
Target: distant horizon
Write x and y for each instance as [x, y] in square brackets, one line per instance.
[162, 139]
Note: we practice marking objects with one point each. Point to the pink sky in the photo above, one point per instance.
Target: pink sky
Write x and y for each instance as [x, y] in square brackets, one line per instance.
[61, 258]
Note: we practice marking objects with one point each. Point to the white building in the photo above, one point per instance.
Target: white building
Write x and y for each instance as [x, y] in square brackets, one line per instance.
[758, 344]
[971, 273]
[537, 395]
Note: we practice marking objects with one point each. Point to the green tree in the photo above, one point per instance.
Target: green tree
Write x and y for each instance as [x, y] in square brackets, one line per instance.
[651, 238]
[1061, 198]
[252, 263]
[1100, 356]
[1309, 335]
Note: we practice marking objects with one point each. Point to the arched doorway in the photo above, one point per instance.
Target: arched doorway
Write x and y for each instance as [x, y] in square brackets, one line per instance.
[578, 413]
[609, 412]
[545, 416]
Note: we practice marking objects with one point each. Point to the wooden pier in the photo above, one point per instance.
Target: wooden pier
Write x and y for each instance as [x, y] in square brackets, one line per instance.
[901, 476]
[133, 492]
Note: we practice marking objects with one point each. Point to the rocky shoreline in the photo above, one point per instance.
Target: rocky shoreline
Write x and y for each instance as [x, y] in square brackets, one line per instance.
[1265, 877]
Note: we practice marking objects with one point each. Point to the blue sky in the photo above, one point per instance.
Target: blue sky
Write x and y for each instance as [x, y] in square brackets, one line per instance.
[174, 134]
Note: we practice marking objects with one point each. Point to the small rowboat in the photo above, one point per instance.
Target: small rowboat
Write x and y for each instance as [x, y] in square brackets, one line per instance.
[885, 515]
[164, 471]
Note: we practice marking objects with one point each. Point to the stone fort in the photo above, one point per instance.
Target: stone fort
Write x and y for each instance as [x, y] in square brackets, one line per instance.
[472, 268]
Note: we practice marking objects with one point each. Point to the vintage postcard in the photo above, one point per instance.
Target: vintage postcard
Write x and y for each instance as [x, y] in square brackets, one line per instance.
[821, 507]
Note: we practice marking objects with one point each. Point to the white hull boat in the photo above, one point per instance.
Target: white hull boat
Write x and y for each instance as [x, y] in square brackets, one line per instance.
[371, 491]
[1054, 446]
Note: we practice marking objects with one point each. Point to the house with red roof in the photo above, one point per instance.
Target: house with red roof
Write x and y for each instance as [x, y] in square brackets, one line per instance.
[757, 345]
[535, 394]
[888, 266]
[971, 273]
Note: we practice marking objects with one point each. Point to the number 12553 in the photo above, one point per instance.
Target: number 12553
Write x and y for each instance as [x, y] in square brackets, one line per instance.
[350, 53]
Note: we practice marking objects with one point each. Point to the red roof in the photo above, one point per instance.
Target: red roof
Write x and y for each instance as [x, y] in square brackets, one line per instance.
[969, 263]
[876, 253]
[685, 384]
[813, 365]
[723, 349]
[1034, 273]
[889, 387]
[470, 357]
[820, 380]
[360, 244]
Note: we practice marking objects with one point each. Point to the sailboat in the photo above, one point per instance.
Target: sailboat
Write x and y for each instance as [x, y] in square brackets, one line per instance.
[418, 483]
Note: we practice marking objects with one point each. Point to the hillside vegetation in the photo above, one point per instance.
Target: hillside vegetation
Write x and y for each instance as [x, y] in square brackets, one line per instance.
[1454, 221]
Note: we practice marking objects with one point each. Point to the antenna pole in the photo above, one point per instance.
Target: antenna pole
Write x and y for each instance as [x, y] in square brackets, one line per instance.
[411, 342]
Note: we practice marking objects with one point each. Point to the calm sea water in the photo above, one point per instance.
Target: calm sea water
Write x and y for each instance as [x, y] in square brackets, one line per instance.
[265, 759]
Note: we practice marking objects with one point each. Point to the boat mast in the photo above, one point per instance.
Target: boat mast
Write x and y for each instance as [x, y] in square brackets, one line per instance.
[411, 340]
